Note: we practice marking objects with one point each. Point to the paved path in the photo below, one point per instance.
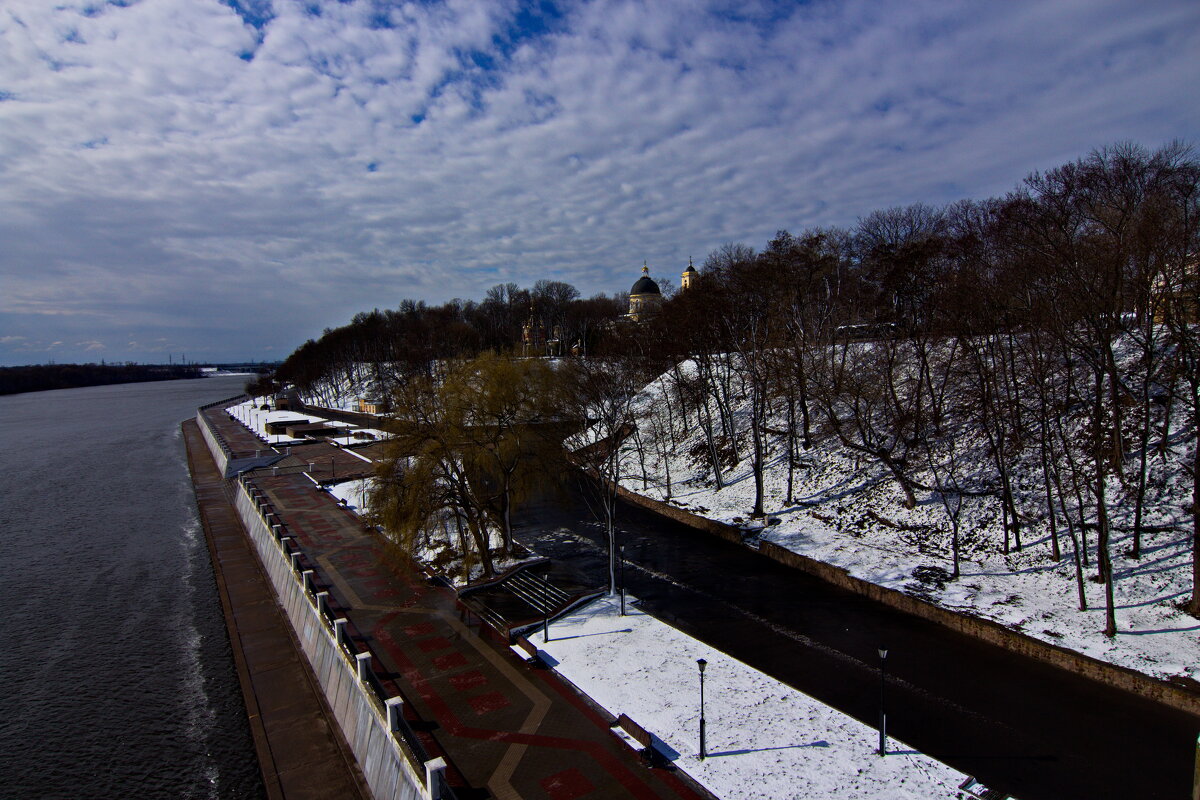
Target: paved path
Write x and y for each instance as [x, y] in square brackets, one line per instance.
[507, 730]
[516, 731]
[329, 462]
[300, 750]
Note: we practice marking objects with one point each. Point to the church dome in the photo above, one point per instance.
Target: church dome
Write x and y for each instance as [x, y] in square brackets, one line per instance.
[645, 284]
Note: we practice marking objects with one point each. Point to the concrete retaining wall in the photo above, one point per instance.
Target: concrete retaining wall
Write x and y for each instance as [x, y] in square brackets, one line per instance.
[228, 462]
[391, 770]
[1102, 672]
[220, 452]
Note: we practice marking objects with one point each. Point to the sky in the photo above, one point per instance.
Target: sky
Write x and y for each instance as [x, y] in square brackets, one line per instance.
[223, 179]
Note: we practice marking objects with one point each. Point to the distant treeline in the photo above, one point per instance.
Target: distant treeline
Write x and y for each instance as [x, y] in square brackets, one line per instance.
[14, 380]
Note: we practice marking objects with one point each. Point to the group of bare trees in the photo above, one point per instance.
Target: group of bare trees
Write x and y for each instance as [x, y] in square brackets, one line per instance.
[384, 349]
[1037, 351]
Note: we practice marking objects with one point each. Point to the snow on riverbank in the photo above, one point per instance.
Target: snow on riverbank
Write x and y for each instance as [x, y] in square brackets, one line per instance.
[764, 738]
[848, 513]
[252, 415]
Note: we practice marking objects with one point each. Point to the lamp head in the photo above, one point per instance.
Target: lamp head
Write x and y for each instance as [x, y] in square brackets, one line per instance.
[883, 652]
[701, 663]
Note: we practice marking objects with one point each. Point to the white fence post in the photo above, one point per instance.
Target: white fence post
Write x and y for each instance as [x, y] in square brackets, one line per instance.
[339, 631]
[433, 773]
[395, 712]
[364, 664]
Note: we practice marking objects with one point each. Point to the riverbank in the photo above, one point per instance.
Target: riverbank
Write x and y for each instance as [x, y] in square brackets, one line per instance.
[300, 751]
[844, 511]
[842, 767]
[46, 377]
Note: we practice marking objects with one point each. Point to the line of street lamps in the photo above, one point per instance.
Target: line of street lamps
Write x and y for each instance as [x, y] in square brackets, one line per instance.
[882, 751]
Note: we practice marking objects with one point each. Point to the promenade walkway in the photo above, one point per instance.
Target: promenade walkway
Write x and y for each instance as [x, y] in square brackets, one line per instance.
[300, 751]
[507, 730]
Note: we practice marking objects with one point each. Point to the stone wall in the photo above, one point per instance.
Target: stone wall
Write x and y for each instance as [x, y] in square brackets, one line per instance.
[391, 771]
[1093, 669]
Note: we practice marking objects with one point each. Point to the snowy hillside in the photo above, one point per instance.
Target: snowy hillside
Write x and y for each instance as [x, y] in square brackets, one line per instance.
[848, 510]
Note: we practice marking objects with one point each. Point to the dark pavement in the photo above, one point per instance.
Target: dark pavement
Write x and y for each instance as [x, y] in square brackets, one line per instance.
[515, 731]
[507, 730]
[300, 751]
[1016, 724]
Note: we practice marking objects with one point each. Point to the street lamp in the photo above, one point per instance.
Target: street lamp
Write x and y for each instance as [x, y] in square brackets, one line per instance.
[622, 573]
[701, 663]
[545, 610]
[882, 709]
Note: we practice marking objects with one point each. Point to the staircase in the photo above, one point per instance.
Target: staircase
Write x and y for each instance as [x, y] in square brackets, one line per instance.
[545, 597]
[519, 599]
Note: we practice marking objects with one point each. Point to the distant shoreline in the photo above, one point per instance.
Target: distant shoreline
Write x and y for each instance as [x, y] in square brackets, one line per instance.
[45, 377]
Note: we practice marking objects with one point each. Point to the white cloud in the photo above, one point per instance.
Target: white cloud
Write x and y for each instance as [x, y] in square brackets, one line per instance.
[156, 178]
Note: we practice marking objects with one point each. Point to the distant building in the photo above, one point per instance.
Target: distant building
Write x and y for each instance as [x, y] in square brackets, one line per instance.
[645, 298]
[689, 277]
[370, 406]
[535, 342]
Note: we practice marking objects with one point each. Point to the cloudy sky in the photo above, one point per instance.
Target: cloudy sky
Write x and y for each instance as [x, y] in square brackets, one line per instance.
[226, 178]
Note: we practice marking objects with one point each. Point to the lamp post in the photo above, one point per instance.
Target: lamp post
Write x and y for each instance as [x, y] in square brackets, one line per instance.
[545, 610]
[622, 573]
[701, 663]
[882, 709]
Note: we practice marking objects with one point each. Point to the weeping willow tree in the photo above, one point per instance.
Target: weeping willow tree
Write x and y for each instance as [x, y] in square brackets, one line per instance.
[470, 450]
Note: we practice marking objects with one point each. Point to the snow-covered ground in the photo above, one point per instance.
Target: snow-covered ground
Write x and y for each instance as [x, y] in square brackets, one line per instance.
[764, 739]
[355, 495]
[251, 414]
[848, 513]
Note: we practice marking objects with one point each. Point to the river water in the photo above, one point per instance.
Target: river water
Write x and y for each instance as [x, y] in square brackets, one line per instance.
[117, 675]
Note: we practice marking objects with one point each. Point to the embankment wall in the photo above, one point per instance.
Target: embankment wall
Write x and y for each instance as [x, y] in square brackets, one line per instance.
[994, 633]
[390, 772]
[229, 462]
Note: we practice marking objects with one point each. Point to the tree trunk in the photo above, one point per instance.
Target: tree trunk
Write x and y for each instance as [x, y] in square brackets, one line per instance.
[1104, 558]
[706, 423]
[758, 404]
[1194, 606]
[791, 449]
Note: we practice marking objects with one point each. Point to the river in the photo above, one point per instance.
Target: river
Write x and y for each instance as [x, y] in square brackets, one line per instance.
[118, 676]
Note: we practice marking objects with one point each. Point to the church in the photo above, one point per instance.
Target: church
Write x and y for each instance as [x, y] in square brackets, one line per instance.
[645, 298]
